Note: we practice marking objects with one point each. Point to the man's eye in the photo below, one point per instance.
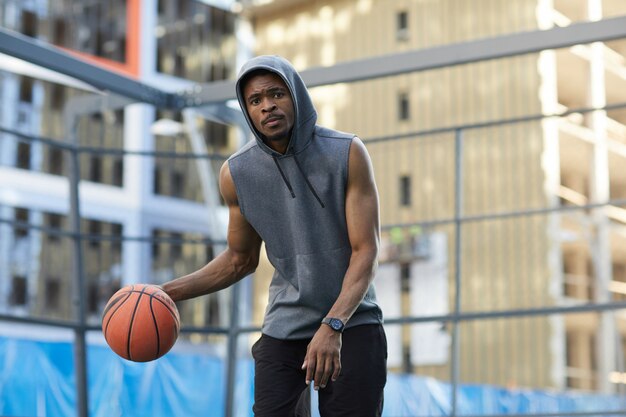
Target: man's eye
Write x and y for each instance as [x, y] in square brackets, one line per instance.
[279, 95]
[255, 101]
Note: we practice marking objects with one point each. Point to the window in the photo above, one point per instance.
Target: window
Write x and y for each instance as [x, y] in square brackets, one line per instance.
[177, 245]
[99, 43]
[54, 222]
[59, 37]
[213, 309]
[179, 63]
[96, 130]
[405, 288]
[157, 186]
[178, 184]
[95, 169]
[29, 24]
[619, 271]
[53, 292]
[21, 216]
[95, 231]
[402, 26]
[216, 134]
[55, 161]
[218, 18]
[404, 108]
[17, 296]
[163, 60]
[119, 116]
[580, 359]
[57, 96]
[577, 275]
[118, 172]
[156, 243]
[218, 71]
[183, 8]
[26, 90]
[23, 155]
[116, 232]
[405, 278]
[161, 7]
[405, 191]
[209, 253]
[93, 292]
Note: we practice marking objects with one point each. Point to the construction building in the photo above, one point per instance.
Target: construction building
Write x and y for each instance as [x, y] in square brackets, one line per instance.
[534, 238]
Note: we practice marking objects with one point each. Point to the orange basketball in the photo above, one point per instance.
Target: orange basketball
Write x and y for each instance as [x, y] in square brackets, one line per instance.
[140, 322]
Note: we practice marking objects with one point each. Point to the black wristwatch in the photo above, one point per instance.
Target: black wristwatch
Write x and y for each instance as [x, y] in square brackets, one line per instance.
[335, 324]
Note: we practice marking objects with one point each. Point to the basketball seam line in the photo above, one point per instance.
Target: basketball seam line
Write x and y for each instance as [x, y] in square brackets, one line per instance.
[130, 326]
[162, 302]
[106, 329]
[112, 304]
[156, 328]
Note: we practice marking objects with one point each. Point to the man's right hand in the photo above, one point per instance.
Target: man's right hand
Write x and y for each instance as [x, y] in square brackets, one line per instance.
[323, 357]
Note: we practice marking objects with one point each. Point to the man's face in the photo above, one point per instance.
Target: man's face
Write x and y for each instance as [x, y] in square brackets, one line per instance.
[269, 104]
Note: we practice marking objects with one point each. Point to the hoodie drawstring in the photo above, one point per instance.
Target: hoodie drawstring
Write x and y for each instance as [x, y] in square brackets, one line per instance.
[282, 174]
[317, 197]
[288, 184]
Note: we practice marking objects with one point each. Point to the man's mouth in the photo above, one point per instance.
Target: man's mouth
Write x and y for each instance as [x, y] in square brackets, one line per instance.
[272, 120]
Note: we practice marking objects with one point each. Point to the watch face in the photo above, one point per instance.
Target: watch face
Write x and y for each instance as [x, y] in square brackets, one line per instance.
[336, 324]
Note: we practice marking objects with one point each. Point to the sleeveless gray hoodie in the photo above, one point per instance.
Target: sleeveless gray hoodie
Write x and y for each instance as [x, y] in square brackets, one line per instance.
[296, 203]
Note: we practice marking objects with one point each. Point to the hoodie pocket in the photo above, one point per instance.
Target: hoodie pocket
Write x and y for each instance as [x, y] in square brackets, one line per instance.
[312, 280]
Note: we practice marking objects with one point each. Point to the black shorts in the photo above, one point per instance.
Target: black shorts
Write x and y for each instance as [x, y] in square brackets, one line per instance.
[358, 392]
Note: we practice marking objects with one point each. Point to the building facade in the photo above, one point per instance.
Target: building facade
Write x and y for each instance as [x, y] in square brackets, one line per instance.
[157, 202]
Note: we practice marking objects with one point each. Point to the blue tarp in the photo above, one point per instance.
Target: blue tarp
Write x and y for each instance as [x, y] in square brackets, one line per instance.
[37, 379]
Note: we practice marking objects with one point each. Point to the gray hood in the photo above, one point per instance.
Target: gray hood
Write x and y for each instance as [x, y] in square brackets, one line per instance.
[305, 116]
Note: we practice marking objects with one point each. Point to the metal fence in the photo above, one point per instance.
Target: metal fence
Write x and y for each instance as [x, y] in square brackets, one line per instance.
[502, 306]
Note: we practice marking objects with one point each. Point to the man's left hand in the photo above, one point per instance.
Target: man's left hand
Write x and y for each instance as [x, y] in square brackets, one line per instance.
[323, 357]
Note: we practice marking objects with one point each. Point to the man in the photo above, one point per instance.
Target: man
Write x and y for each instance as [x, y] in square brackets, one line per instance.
[308, 192]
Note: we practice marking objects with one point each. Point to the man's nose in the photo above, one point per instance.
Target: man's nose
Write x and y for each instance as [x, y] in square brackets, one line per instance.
[269, 105]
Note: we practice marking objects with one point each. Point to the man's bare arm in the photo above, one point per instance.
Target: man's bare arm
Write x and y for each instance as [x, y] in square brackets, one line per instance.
[240, 258]
[362, 215]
